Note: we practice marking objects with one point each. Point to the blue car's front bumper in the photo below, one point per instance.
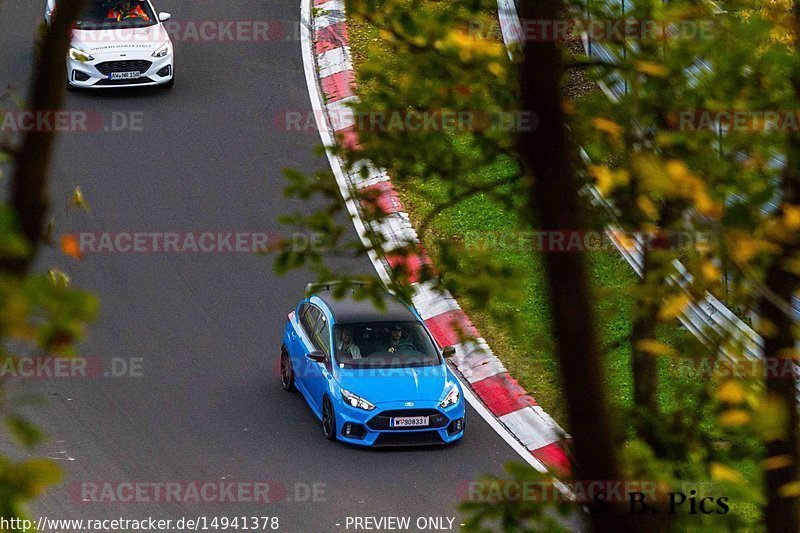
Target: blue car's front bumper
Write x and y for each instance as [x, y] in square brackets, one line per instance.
[447, 424]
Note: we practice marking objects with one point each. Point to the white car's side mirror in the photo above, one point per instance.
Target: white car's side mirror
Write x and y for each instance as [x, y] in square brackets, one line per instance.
[163, 17]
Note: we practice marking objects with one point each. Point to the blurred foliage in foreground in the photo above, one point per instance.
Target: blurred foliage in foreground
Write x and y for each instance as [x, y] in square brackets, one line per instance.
[41, 316]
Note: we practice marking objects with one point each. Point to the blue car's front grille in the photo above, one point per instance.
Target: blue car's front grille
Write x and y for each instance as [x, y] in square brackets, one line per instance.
[380, 422]
[419, 438]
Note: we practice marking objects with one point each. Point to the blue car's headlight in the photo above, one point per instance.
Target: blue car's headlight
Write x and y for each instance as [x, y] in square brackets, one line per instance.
[356, 401]
[451, 399]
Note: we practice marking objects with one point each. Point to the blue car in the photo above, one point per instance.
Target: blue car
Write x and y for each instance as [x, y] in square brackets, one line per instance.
[374, 377]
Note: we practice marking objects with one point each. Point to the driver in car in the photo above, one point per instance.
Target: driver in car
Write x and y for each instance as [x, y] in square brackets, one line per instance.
[398, 341]
[127, 9]
[346, 345]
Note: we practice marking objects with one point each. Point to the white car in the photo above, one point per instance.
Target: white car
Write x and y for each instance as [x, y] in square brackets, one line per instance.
[118, 43]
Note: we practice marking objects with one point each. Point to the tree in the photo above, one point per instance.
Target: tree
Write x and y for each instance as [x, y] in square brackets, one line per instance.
[28, 187]
[553, 204]
[781, 283]
[39, 312]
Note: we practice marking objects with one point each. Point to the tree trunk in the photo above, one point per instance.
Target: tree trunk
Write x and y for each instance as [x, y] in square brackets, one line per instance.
[27, 189]
[657, 256]
[782, 511]
[553, 204]
[644, 364]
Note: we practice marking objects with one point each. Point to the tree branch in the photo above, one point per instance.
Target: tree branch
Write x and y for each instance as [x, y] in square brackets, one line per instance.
[28, 186]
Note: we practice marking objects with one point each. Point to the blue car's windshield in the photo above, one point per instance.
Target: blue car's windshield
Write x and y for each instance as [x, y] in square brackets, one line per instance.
[116, 14]
[384, 345]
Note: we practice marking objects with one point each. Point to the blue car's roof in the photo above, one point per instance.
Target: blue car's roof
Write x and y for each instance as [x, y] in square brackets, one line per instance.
[348, 310]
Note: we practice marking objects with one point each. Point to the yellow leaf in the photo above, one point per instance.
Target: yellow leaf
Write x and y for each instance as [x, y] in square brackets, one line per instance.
[652, 69]
[766, 328]
[36, 474]
[791, 216]
[776, 461]
[608, 126]
[706, 206]
[730, 392]
[650, 170]
[646, 205]
[673, 307]
[386, 36]
[789, 353]
[743, 247]
[677, 170]
[720, 472]
[58, 277]
[78, 200]
[771, 419]
[497, 69]
[734, 418]
[711, 272]
[790, 490]
[654, 347]
[624, 239]
[604, 181]
[792, 265]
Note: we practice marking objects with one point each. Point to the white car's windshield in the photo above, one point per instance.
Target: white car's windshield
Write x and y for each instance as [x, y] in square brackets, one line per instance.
[115, 14]
[384, 345]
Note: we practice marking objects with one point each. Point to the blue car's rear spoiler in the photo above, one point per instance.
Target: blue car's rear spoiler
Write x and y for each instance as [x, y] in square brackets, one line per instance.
[316, 286]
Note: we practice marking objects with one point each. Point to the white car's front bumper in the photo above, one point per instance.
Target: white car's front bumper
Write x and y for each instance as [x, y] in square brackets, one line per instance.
[96, 74]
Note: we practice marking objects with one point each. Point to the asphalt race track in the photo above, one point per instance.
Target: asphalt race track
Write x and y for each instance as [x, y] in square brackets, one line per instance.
[208, 406]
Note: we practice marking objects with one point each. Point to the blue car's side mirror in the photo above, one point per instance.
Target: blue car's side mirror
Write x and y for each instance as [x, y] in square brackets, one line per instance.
[317, 356]
[449, 351]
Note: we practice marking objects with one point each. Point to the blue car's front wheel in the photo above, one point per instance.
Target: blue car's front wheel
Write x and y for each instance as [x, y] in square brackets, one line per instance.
[328, 419]
[287, 372]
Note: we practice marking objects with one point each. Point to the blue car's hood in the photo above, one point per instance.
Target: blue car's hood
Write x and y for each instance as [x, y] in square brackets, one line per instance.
[395, 384]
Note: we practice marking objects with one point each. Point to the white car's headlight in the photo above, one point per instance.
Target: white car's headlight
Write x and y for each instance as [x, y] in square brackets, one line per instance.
[79, 55]
[161, 52]
[451, 399]
[356, 401]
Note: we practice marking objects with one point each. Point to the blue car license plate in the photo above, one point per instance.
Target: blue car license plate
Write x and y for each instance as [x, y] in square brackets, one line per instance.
[409, 421]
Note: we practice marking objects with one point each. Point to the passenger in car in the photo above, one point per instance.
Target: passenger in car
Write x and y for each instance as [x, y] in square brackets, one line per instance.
[127, 9]
[346, 346]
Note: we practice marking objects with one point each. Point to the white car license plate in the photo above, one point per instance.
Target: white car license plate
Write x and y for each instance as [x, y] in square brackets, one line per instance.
[409, 421]
[125, 75]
